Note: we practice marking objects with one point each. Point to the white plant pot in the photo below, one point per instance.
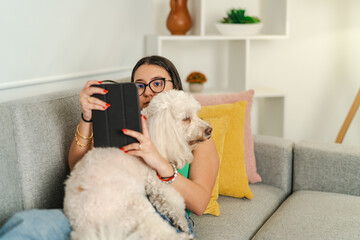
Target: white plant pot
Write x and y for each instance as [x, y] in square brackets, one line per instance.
[195, 87]
[238, 29]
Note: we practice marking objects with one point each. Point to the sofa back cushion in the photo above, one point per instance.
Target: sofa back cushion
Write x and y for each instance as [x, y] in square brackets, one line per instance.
[327, 167]
[38, 133]
[10, 184]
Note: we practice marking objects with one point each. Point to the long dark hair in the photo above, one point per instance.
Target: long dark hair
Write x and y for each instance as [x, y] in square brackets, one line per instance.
[161, 62]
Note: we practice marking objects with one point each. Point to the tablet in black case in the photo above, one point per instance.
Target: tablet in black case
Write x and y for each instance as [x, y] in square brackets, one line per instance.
[124, 112]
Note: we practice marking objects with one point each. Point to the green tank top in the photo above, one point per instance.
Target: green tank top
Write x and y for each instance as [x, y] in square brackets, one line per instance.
[185, 170]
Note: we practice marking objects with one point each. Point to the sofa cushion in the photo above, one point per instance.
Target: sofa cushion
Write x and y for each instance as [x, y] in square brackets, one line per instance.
[233, 178]
[10, 182]
[240, 218]
[274, 160]
[250, 162]
[220, 126]
[327, 167]
[314, 215]
[43, 128]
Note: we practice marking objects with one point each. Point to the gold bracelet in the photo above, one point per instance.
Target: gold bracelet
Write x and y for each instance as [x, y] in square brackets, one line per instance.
[83, 137]
[83, 145]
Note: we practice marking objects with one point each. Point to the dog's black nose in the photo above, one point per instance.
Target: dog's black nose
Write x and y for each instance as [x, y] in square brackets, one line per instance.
[208, 131]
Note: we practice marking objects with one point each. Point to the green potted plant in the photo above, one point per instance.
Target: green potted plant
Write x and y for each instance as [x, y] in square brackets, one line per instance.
[237, 23]
[196, 81]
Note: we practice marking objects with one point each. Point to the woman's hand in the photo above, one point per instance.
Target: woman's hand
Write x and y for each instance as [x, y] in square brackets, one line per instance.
[89, 103]
[147, 151]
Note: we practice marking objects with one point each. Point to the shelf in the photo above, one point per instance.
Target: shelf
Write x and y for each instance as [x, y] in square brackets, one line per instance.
[215, 37]
[225, 60]
[259, 92]
[273, 14]
[268, 93]
[212, 92]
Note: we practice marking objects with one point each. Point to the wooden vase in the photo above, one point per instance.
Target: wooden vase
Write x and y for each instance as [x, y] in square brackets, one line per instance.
[179, 20]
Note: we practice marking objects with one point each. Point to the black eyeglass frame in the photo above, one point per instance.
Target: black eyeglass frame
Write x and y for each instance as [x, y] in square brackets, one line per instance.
[148, 84]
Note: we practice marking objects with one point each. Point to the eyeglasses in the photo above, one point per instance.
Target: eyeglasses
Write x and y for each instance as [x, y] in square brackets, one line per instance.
[157, 85]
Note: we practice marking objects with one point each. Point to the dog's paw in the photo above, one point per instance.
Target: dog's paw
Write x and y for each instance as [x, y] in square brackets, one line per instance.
[186, 236]
[182, 225]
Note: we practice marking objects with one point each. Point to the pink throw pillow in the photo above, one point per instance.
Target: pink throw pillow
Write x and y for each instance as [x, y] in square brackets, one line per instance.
[250, 162]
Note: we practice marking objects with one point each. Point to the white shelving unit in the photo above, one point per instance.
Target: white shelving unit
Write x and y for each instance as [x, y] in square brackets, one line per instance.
[225, 59]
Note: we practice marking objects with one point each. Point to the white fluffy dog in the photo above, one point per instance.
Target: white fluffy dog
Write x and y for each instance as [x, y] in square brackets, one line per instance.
[110, 194]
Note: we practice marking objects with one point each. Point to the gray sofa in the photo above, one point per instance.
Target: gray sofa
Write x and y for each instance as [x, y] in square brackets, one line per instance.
[309, 190]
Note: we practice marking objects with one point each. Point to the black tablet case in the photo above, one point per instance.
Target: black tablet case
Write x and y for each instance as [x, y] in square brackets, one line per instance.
[124, 112]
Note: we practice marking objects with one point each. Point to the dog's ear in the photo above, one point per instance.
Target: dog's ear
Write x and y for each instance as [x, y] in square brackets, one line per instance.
[169, 141]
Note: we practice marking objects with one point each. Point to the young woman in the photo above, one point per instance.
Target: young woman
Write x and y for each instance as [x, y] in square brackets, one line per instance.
[152, 75]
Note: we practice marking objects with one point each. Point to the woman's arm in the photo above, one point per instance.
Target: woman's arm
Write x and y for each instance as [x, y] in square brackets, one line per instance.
[79, 145]
[197, 190]
[78, 150]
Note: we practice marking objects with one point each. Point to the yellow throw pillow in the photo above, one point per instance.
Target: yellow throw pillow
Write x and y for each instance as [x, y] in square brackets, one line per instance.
[219, 125]
[233, 179]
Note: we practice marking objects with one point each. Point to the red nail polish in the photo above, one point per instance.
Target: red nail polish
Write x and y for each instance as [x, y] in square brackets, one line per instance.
[124, 130]
[122, 149]
[105, 91]
[125, 151]
[105, 108]
[108, 105]
[100, 82]
[144, 117]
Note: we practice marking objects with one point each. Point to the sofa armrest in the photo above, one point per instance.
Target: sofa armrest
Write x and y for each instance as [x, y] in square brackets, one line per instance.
[274, 158]
[327, 167]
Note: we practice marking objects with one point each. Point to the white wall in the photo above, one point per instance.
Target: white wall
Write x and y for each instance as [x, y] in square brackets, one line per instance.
[69, 42]
[317, 68]
[48, 45]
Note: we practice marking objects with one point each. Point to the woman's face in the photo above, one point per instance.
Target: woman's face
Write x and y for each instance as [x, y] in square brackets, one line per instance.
[145, 74]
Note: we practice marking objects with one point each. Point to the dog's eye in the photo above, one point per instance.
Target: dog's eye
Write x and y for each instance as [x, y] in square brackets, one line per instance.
[187, 119]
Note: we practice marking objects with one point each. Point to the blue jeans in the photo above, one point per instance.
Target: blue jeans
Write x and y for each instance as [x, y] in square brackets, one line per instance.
[42, 224]
[37, 224]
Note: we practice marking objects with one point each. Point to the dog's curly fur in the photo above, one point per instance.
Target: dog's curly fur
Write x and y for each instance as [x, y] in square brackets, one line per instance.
[110, 194]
